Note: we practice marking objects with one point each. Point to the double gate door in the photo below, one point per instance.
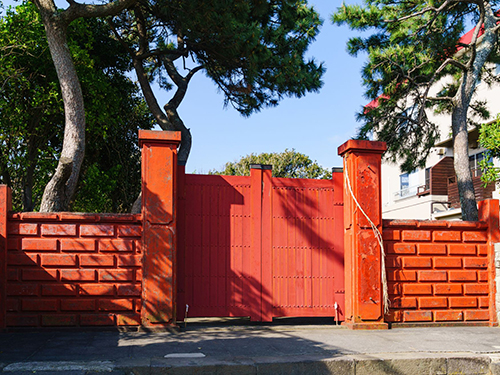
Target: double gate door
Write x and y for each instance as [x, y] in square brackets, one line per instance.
[259, 246]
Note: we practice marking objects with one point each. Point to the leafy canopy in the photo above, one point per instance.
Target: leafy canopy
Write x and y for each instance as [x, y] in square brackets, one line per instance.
[289, 164]
[411, 45]
[489, 138]
[32, 118]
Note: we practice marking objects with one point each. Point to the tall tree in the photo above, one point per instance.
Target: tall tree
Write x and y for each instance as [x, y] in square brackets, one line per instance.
[413, 46]
[62, 186]
[32, 118]
[289, 164]
[253, 50]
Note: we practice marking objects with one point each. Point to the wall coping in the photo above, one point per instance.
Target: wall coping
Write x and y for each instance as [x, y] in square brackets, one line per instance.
[159, 136]
[435, 224]
[74, 216]
[372, 147]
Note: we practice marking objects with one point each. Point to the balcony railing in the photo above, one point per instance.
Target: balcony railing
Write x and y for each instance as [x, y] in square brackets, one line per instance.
[407, 192]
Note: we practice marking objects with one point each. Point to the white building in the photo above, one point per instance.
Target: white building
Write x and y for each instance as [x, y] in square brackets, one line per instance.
[431, 192]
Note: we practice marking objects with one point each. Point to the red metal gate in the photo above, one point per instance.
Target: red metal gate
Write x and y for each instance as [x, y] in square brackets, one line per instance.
[259, 246]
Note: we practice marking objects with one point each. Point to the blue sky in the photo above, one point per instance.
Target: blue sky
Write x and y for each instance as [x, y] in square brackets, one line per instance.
[314, 125]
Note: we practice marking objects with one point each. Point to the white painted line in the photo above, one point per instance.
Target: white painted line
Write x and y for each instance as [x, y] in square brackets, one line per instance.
[185, 355]
[103, 366]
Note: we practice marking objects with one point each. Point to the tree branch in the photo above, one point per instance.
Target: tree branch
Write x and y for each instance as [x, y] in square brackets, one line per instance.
[77, 10]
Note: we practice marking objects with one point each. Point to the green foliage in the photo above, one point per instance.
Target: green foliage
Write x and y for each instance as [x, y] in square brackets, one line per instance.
[289, 164]
[489, 138]
[253, 50]
[32, 117]
[407, 43]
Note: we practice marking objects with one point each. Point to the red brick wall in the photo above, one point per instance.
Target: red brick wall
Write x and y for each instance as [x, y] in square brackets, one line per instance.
[66, 269]
[437, 271]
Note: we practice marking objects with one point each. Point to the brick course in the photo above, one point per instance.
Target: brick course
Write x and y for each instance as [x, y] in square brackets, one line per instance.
[73, 270]
[451, 268]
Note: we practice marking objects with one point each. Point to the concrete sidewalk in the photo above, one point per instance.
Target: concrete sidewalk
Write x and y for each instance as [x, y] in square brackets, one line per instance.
[255, 349]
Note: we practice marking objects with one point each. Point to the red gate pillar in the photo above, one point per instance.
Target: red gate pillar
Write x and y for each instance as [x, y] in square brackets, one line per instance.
[5, 207]
[159, 217]
[362, 259]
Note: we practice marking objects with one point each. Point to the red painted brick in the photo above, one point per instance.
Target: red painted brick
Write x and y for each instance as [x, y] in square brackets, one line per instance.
[138, 275]
[432, 302]
[97, 290]
[58, 260]
[440, 289]
[417, 316]
[130, 231]
[432, 276]
[482, 276]
[58, 230]
[431, 248]
[447, 236]
[22, 290]
[21, 320]
[404, 303]
[81, 304]
[138, 304]
[97, 319]
[19, 258]
[477, 315]
[58, 320]
[416, 235]
[12, 275]
[138, 246]
[129, 260]
[475, 236]
[116, 245]
[129, 290]
[39, 244]
[447, 262]
[476, 262]
[394, 316]
[13, 244]
[116, 305]
[476, 288]
[482, 249]
[393, 262]
[417, 262]
[12, 304]
[98, 230]
[391, 234]
[417, 289]
[58, 290]
[484, 302]
[463, 302]
[24, 229]
[116, 275]
[448, 315]
[128, 319]
[39, 275]
[39, 304]
[399, 275]
[402, 248]
[460, 249]
[462, 275]
[97, 260]
[78, 275]
[77, 244]
[392, 288]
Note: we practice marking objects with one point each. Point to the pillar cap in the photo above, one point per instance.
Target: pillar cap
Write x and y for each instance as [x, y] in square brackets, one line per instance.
[261, 166]
[159, 136]
[373, 147]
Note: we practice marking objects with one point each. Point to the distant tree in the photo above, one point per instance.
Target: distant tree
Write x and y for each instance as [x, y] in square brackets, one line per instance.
[411, 46]
[289, 164]
[32, 117]
[489, 138]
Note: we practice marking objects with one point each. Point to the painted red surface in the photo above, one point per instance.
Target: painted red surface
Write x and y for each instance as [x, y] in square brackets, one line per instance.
[73, 270]
[442, 271]
[260, 246]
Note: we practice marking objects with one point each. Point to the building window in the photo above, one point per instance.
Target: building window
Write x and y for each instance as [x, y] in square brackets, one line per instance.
[474, 161]
[404, 181]
[408, 185]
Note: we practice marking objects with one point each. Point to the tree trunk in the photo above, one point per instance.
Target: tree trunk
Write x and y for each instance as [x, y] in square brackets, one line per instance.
[61, 188]
[461, 163]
